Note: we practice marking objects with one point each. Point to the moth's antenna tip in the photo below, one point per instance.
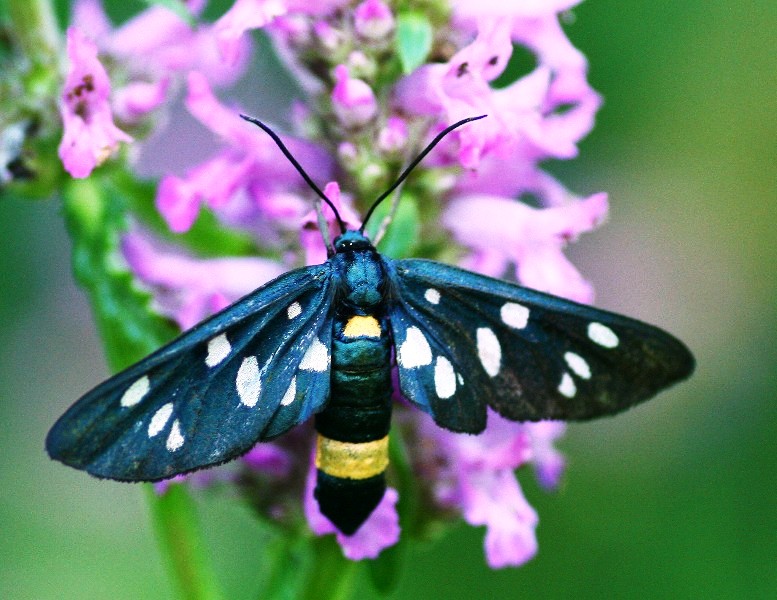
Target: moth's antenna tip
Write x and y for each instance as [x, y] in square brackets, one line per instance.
[415, 161]
[296, 165]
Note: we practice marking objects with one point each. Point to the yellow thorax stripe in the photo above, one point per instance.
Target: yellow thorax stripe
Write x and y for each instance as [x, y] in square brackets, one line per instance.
[349, 460]
[359, 326]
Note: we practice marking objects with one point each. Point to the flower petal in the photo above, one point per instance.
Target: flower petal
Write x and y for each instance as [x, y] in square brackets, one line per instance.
[90, 135]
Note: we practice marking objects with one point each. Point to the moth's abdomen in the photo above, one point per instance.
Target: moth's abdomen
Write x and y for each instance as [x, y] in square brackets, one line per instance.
[352, 446]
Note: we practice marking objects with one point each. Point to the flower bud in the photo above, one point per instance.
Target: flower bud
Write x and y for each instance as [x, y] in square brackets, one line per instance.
[352, 99]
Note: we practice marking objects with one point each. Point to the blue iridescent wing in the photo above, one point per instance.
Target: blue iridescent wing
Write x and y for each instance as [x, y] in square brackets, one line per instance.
[247, 374]
[466, 341]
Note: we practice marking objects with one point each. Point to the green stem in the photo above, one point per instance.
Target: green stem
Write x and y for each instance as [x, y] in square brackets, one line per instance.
[182, 543]
[331, 575]
[35, 27]
[302, 567]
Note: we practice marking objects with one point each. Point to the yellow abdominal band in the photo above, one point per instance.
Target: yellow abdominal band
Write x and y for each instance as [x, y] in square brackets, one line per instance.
[349, 460]
[358, 326]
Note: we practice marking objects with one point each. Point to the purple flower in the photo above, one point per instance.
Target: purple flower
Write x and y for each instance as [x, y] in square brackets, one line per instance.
[310, 237]
[254, 14]
[461, 88]
[473, 9]
[499, 231]
[139, 98]
[243, 16]
[187, 289]
[157, 43]
[270, 459]
[339, 57]
[153, 48]
[90, 135]
[245, 182]
[474, 475]
[543, 114]
[372, 20]
[547, 461]
[393, 136]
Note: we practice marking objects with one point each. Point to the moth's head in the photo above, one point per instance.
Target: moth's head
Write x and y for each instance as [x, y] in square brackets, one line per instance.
[352, 241]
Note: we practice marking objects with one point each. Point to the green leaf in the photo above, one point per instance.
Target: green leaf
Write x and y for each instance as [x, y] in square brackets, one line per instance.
[95, 217]
[413, 39]
[180, 537]
[402, 234]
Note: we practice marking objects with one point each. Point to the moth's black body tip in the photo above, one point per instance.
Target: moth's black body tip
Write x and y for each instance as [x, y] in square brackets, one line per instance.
[347, 503]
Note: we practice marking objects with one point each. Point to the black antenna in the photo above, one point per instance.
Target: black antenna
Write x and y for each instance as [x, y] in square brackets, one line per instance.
[297, 166]
[413, 164]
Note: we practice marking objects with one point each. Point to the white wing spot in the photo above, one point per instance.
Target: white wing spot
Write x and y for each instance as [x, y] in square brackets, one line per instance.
[444, 378]
[460, 378]
[567, 386]
[489, 351]
[316, 358]
[175, 439]
[415, 350]
[578, 365]
[514, 315]
[602, 335]
[432, 296]
[291, 393]
[248, 382]
[294, 310]
[135, 392]
[160, 419]
[218, 349]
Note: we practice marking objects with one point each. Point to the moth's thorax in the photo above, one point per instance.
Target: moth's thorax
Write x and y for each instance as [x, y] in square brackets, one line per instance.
[360, 273]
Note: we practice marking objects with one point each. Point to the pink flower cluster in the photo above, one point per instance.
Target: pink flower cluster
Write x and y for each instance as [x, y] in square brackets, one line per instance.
[344, 58]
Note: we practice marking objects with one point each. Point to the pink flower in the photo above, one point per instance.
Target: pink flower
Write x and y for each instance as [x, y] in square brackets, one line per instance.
[246, 15]
[461, 88]
[187, 289]
[243, 16]
[270, 459]
[154, 46]
[310, 237]
[499, 230]
[393, 137]
[90, 135]
[247, 184]
[543, 114]
[372, 19]
[247, 180]
[479, 9]
[352, 99]
[380, 530]
[474, 474]
[140, 97]
[547, 461]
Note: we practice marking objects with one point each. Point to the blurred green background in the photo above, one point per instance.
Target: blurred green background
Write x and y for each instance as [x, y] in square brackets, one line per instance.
[676, 499]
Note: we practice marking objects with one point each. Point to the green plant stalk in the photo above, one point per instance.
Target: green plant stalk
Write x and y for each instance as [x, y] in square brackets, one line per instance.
[331, 576]
[180, 538]
[95, 214]
[35, 27]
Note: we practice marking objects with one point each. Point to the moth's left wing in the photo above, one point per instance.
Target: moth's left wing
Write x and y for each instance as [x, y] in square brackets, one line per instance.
[247, 374]
[466, 341]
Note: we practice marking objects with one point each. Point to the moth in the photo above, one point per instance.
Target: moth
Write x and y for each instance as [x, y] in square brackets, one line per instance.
[321, 342]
